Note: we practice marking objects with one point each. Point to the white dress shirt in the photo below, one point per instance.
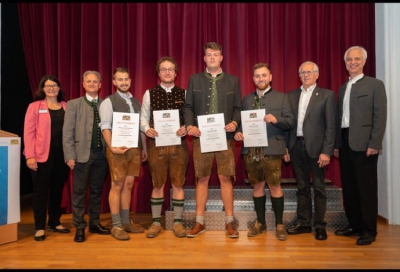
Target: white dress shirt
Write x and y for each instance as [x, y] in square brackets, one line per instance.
[346, 101]
[305, 96]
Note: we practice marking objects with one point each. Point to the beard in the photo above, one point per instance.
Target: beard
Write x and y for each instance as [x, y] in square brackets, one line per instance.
[262, 86]
[123, 91]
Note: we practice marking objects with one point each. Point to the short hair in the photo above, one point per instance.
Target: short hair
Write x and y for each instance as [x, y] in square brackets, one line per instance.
[170, 59]
[213, 46]
[88, 72]
[260, 65]
[40, 94]
[363, 52]
[316, 69]
[121, 70]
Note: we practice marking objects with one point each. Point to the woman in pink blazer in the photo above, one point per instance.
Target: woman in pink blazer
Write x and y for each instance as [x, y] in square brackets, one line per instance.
[44, 155]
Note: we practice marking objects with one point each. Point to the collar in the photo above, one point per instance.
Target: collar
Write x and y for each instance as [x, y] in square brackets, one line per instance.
[90, 99]
[310, 89]
[355, 79]
[125, 96]
[265, 92]
[168, 90]
[220, 72]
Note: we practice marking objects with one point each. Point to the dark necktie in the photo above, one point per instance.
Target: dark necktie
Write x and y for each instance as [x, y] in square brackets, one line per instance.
[96, 139]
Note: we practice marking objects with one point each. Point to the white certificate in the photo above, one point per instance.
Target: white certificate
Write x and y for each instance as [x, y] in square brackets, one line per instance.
[166, 123]
[125, 129]
[213, 135]
[254, 128]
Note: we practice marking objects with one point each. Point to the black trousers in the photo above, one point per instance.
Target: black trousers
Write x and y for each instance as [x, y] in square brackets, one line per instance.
[90, 174]
[359, 186]
[303, 165]
[48, 184]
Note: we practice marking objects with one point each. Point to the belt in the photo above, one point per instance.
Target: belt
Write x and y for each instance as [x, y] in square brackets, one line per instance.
[301, 138]
[345, 129]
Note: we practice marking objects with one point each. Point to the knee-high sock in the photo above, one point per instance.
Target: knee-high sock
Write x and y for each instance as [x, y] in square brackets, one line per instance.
[277, 206]
[156, 206]
[178, 209]
[259, 205]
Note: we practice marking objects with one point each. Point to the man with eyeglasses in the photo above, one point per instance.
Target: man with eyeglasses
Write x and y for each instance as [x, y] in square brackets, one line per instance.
[171, 160]
[84, 153]
[310, 146]
[362, 113]
[210, 92]
[263, 163]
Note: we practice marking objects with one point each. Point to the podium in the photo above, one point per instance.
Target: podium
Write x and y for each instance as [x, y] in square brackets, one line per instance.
[10, 213]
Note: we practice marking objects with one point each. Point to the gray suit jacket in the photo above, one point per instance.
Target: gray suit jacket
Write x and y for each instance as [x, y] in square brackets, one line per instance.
[368, 113]
[77, 130]
[319, 122]
[277, 104]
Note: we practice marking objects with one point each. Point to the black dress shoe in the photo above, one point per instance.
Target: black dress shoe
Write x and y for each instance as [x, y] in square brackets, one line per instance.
[297, 229]
[99, 229]
[80, 235]
[347, 232]
[365, 240]
[39, 238]
[64, 230]
[320, 234]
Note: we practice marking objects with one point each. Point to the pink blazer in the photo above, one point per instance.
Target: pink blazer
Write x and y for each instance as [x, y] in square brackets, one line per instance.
[37, 130]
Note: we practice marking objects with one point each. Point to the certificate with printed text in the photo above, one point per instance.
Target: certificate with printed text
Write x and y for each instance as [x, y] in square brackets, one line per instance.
[213, 134]
[125, 129]
[254, 128]
[166, 123]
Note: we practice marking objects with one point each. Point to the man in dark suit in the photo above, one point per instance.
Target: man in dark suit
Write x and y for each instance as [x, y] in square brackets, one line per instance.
[263, 163]
[84, 153]
[310, 145]
[362, 112]
[210, 92]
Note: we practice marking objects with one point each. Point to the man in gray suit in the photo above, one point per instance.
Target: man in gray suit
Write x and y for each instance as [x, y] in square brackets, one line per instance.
[310, 145]
[84, 153]
[263, 163]
[362, 112]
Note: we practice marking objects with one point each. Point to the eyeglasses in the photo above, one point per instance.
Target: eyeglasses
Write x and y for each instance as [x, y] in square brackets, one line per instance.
[51, 86]
[164, 70]
[308, 73]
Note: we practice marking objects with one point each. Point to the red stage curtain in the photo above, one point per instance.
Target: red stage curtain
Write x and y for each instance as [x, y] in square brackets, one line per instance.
[65, 39]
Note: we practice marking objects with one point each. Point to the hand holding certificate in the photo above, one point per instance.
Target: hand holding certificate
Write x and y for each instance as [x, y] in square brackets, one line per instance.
[166, 123]
[254, 128]
[213, 135]
[125, 129]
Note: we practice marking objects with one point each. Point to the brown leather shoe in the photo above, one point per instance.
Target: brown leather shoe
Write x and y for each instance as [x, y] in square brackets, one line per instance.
[179, 230]
[133, 228]
[119, 233]
[257, 229]
[231, 230]
[196, 230]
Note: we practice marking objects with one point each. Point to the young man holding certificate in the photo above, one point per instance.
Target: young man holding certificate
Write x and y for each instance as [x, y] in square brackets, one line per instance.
[213, 92]
[162, 120]
[269, 110]
[123, 159]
